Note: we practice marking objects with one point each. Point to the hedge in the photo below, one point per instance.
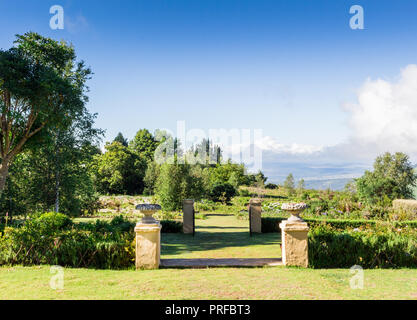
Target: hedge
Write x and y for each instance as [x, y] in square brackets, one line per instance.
[271, 224]
[368, 249]
[52, 239]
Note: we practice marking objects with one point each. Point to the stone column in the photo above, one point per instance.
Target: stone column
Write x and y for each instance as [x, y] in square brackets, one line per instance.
[294, 243]
[148, 245]
[255, 211]
[148, 238]
[188, 217]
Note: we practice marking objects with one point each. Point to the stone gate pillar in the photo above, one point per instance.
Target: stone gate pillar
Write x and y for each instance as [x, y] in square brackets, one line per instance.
[188, 217]
[294, 233]
[255, 212]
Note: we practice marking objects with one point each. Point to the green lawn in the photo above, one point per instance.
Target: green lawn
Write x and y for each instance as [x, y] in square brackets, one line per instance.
[219, 236]
[217, 283]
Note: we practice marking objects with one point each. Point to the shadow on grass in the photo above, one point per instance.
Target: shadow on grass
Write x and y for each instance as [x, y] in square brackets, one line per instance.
[175, 244]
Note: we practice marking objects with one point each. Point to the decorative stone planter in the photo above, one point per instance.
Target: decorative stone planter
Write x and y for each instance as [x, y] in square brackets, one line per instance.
[148, 238]
[295, 210]
[294, 236]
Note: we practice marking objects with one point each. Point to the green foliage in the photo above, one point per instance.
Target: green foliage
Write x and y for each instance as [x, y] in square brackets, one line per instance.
[50, 222]
[222, 192]
[53, 239]
[271, 186]
[122, 140]
[151, 177]
[42, 88]
[393, 177]
[144, 144]
[244, 193]
[289, 185]
[119, 171]
[271, 224]
[384, 248]
[170, 226]
[176, 182]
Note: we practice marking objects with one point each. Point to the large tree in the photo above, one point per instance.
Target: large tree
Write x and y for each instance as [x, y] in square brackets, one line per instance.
[41, 87]
[144, 144]
[119, 170]
[393, 177]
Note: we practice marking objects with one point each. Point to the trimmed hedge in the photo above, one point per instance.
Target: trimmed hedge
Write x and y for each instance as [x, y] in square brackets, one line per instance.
[271, 224]
[52, 239]
[369, 249]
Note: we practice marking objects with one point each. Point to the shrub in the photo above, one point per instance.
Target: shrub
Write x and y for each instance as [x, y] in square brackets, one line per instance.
[271, 224]
[222, 192]
[244, 193]
[370, 249]
[53, 239]
[170, 226]
[271, 186]
[50, 222]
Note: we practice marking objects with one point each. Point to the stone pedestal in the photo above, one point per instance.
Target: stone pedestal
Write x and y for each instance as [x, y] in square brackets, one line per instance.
[188, 217]
[255, 211]
[148, 245]
[294, 243]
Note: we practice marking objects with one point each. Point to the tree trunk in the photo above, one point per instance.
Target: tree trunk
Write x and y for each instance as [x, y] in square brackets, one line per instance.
[4, 172]
[57, 192]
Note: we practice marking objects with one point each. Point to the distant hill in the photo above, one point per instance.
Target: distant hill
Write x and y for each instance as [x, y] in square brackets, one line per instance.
[333, 184]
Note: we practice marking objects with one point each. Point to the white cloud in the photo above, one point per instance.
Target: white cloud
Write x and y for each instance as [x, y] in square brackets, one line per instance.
[270, 144]
[385, 115]
[79, 24]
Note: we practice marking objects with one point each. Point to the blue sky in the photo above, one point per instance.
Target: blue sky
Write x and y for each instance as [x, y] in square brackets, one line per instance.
[228, 64]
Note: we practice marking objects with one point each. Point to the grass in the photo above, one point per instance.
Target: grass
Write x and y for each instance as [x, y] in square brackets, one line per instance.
[219, 236]
[186, 284]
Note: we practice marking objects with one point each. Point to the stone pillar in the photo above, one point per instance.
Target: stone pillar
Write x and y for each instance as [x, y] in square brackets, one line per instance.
[148, 245]
[255, 211]
[294, 243]
[188, 217]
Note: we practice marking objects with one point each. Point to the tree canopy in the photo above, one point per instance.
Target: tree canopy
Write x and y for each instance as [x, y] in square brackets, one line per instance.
[41, 86]
[393, 177]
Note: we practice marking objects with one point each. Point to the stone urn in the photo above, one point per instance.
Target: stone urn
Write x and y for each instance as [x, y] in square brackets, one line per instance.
[295, 210]
[148, 210]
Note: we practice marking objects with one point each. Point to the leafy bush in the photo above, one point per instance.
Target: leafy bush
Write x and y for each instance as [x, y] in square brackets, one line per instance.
[244, 193]
[382, 248]
[271, 224]
[176, 183]
[271, 186]
[222, 192]
[170, 226]
[50, 222]
[52, 238]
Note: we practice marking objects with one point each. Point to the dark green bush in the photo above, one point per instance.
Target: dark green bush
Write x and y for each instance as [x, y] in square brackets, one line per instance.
[271, 186]
[270, 225]
[370, 249]
[222, 192]
[170, 226]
